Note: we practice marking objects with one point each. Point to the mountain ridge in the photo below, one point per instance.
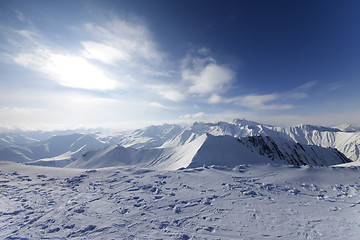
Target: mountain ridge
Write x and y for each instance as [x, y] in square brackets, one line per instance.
[64, 149]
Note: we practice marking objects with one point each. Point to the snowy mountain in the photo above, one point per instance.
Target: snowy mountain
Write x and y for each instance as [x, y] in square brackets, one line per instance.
[346, 142]
[169, 140]
[67, 146]
[11, 139]
[152, 136]
[209, 150]
[348, 127]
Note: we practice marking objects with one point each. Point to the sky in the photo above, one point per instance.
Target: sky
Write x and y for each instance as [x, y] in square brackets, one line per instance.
[123, 64]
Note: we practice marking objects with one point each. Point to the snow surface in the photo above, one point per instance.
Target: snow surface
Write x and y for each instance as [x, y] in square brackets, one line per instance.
[245, 202]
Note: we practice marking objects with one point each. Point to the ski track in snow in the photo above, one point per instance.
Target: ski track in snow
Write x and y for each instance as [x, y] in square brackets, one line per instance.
[246, 202]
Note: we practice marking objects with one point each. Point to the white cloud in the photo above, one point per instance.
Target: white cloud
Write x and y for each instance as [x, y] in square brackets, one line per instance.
[307, 85]
[158, 105]
[211, 79]
[215, 98]
[129, 40]
[260, 102]
[104, 53]
[204, 76]
[172, 95]
[168, 92]
[298, 95]
[301, 91]
[199, 115]
[66, 70]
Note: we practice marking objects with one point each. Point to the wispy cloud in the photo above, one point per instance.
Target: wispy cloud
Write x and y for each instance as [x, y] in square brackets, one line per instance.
[19, 15]
[261, 102]
[119, 41]
[307, 85]
[167, 92]
[158, 105]
[215, 98]
[66, 70]
[104, 53]
[255, 102]
[198, 116]
[300, 92]
[113, 42]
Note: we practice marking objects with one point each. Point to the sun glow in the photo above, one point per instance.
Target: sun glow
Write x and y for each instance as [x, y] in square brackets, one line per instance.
[78, 73]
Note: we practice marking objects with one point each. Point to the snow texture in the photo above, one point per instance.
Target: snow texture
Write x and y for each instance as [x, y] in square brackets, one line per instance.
[244, 202]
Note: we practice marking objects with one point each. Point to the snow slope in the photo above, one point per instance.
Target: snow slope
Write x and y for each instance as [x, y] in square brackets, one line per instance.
[246, 202]
[346, 142]
[209, 150]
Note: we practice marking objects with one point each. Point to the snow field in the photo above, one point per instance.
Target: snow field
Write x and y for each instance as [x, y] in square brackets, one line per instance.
[245, 202]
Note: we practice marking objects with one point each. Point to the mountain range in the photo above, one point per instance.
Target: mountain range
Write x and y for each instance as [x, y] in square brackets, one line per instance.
[171, 146]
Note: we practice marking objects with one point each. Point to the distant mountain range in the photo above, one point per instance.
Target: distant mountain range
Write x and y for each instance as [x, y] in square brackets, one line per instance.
[171, 146]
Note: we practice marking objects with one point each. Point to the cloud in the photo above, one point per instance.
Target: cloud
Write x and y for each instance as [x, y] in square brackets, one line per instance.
[199, 115]
[66, 70]
[213, 78]
[297, 95]
[104, 53]
[260, 102]
[215, 99]
[158, 105]
[307, 85]
[168, 92]
[205, 75]
[113, 42]
[26, 48]
[19, 15]
[119, 41]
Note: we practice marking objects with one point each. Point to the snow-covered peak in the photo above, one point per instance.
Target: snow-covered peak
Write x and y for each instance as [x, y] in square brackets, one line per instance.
[244, 122]
[348, 127]
[308, 127]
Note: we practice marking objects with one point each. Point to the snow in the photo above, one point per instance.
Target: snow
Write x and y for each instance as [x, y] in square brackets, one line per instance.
[246, 202]
[20, 149]
[238, 180]
[52, 147]
[212, 150]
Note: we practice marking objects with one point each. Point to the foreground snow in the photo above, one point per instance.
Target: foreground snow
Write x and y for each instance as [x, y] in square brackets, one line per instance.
[245, 202]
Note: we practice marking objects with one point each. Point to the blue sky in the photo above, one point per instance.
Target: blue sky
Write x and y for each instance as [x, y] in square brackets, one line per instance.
[131, 63]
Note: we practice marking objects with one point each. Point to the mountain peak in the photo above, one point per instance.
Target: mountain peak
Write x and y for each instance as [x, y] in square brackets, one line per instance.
[238, 121]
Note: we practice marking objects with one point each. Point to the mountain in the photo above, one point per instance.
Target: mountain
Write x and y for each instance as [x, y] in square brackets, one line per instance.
[152, 136]
[346, 142]
[15, 139]
[348, 127]
[209, 150]
[56, 146]
[169, 139]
